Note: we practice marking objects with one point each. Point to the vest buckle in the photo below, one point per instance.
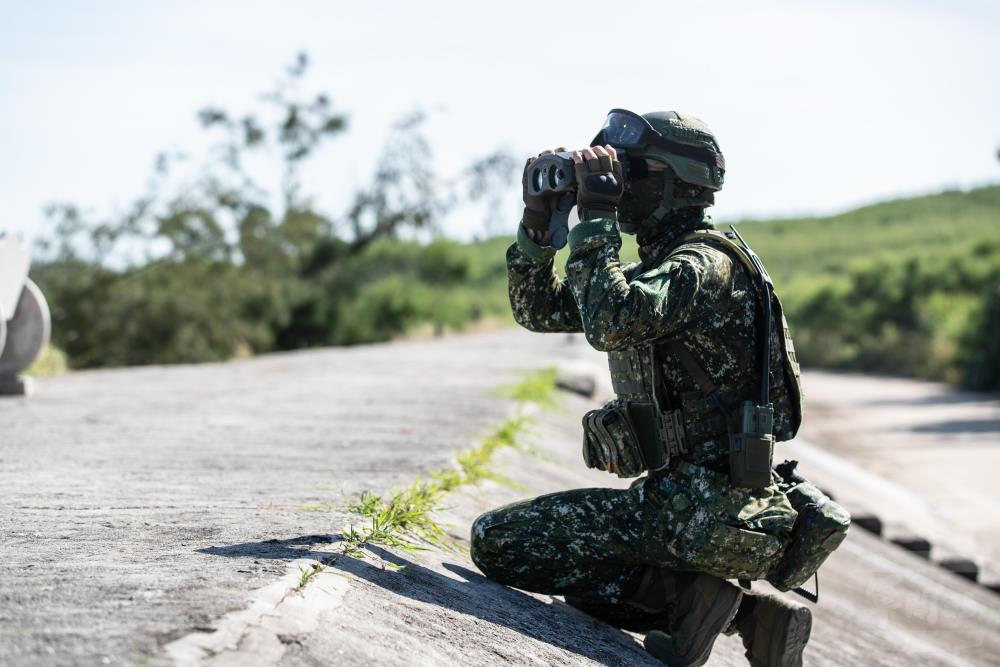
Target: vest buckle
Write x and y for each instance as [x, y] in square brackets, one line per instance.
[671, 427]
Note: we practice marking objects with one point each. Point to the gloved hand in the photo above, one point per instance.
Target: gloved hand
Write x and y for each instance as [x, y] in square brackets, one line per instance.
[537, 208]
[599, 182]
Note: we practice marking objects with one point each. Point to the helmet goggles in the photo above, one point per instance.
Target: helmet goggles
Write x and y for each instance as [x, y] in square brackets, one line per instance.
[628, 130]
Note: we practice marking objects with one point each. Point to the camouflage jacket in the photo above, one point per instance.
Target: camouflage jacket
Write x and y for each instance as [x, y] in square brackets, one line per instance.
[698, 293]
[695, 292]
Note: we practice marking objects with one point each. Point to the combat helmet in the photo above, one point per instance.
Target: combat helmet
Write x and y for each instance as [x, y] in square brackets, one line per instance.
[681, 142]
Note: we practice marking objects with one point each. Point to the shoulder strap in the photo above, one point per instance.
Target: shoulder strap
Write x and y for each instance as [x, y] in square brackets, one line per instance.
[748, 258]
[765, 288]
[694, 369]
[701, 378]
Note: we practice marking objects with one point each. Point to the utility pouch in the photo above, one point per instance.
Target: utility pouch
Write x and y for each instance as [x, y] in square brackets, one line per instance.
[610, 442]
[750, 449]
[820, 527]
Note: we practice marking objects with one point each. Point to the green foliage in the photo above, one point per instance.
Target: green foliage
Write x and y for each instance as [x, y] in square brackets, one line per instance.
[164, 312]
[979, 347]
[474, 464]
[906, 287]
[52, 361]
[307, 574]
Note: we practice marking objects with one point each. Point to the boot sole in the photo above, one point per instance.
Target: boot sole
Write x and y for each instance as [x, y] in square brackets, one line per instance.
[724, 608]
[788, 651]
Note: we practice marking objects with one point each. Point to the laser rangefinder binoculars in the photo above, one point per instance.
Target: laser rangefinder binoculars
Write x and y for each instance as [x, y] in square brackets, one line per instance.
[555, 174]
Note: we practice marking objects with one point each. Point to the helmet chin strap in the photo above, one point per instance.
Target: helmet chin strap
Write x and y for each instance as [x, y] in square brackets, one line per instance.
[667, 202]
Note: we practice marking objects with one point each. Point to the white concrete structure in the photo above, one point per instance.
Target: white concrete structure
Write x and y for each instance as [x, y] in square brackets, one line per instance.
[25, 323]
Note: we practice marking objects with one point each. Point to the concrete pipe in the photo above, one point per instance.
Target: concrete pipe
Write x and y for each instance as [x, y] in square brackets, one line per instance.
[3, 328]
[27, 331]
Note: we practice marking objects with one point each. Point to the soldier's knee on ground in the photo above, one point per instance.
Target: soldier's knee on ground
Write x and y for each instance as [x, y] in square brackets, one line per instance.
[499, 550]
[485, 552]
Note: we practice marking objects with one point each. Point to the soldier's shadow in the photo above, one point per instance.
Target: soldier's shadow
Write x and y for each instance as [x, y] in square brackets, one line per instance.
[471, 593]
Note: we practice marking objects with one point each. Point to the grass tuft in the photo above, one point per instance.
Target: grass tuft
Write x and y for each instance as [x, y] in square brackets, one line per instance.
[51, 361]
[403, 518]
[538, 387]
[307, 574]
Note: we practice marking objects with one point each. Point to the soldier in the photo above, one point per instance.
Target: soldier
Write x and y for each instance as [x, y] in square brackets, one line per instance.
[681, 330]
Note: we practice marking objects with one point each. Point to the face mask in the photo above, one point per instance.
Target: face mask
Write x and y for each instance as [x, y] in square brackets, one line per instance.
[642, 196]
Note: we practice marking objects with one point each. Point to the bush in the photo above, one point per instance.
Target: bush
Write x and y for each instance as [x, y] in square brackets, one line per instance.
[894, 287]
[979, 352]
[221, 274]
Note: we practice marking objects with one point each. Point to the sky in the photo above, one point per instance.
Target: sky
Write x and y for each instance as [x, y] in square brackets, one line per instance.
[819, 106]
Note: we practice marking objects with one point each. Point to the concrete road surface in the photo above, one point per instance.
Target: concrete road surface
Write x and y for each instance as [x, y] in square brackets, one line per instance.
[937, 444]
[158, 516]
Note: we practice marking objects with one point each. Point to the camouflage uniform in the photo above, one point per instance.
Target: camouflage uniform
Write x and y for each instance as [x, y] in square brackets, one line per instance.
[594, 545]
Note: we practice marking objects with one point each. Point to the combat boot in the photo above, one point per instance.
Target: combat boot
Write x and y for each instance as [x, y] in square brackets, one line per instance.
[704, 608]
[774, 630]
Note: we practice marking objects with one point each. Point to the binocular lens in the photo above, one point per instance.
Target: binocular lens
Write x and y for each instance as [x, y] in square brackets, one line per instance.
[548, 177]
[551, 172]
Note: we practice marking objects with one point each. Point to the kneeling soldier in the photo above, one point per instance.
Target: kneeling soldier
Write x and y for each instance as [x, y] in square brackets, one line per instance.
[706, 380]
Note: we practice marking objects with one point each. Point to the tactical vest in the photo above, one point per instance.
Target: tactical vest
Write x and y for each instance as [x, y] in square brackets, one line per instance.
[668, 425]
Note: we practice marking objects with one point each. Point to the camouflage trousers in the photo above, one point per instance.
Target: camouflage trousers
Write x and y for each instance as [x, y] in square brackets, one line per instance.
[594, 546]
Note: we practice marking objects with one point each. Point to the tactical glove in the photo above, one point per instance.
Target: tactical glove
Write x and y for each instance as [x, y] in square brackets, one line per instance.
[537, 208]
[599, 187]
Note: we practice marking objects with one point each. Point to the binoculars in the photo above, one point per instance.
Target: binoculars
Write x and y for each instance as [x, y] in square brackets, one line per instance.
[551, 173]
[555, 174]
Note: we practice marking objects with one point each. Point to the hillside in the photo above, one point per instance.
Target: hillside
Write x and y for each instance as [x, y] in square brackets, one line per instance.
[949, 226]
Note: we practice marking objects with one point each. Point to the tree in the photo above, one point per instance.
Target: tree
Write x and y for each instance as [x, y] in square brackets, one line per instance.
[203, 267]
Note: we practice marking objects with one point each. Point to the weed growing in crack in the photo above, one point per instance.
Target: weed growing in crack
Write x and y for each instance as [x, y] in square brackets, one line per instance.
[403, 512]
[474, 464]
[538, 387]
[404, 518]
[306, 574]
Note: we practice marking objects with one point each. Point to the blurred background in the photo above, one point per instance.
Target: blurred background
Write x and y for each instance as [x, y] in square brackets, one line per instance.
[203, 181]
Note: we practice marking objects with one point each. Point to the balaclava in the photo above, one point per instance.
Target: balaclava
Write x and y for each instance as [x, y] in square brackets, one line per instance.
[655, 234]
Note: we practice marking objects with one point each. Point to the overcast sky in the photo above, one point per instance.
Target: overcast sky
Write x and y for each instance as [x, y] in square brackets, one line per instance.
[818, 106]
